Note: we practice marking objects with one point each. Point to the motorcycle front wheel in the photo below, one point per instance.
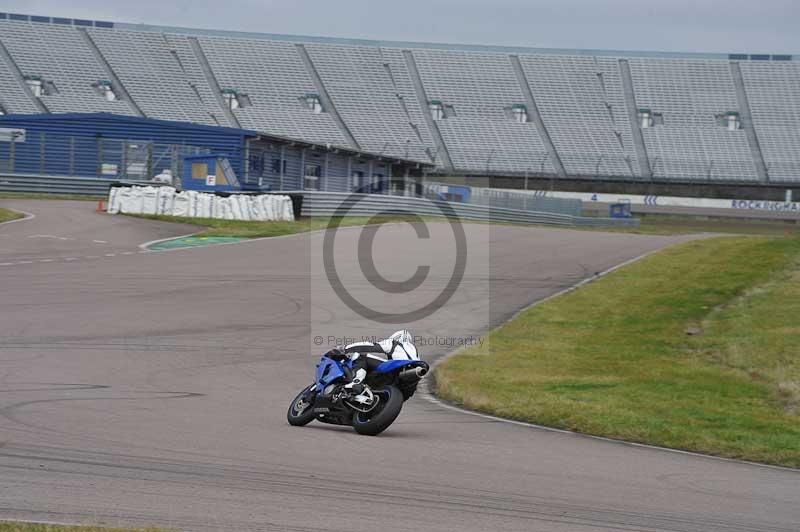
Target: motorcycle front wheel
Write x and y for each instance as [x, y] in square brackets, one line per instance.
[301, 411]
[385, 412]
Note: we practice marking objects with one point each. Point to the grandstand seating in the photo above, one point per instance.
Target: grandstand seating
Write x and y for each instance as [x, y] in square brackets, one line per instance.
[58, 55]
[361, 86]
[193, 71]
[691, 144]
[773, 92]
[481, 88]
[151, 75]
[584, 114]
[272, 75]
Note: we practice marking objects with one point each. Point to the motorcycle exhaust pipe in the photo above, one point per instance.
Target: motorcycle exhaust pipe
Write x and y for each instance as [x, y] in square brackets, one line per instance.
[413, 373]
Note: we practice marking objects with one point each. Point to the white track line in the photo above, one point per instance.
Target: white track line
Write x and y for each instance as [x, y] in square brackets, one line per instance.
[146, 245]
[26, 216]
[245, 240]
[428, 395]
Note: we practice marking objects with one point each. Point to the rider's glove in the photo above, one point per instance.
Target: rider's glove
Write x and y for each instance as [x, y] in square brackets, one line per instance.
[336, 353]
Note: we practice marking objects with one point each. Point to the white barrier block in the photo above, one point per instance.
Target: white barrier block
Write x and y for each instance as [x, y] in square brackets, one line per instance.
[217, 210]
[204, 206]
[166, 198]
[131, 201]
[194, 204]
[193, 201]
[288, 211]
[268, 204]
[149, 200]
[180, 205]
[236, 209]
[257, 209]
[113, 200]
[245, 203]
[224, 208]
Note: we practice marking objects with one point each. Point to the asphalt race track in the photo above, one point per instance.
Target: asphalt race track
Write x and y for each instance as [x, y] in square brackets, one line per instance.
[151, 389]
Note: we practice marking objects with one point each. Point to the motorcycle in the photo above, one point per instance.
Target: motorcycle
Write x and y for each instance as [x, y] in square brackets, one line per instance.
[386, 388]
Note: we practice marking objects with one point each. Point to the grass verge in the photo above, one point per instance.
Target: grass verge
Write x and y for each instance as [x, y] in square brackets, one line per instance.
[7, 215]
[667, 225]
[671, 225]
[692, 348]
[12, 526]
[249, 229]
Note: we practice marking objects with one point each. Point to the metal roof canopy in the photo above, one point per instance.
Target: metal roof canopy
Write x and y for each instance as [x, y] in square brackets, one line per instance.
[332, 148]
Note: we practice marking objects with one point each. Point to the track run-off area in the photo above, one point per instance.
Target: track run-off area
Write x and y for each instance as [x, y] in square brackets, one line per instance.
[150, 388]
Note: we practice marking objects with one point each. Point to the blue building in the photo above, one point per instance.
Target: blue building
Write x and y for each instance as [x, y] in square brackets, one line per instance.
[129, 147]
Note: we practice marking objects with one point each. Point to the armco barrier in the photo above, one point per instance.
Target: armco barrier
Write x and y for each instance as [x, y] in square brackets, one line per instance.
[85, 186]
[332, 203]
[327, 203]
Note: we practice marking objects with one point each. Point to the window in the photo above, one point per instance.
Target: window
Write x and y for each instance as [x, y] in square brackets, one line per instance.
[276, 166]
[312, 102]
[106, 90]
[234, 99]
[8, 134]
[519, 113]
[230, 98]
[138, 159]
[648, 119]
[40, 87]
[437, 109]
[36, 85]
[311, 176]
[200, 171]
[729, 120]
[256, 163]
[644, 118]
[378, 184]
[358, 176]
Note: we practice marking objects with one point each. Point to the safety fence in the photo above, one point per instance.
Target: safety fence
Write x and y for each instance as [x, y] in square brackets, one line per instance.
[38, 184]
[326, 204]
[526, 200]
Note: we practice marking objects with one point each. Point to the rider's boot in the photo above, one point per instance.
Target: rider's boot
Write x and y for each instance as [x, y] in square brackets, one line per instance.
[357, 387]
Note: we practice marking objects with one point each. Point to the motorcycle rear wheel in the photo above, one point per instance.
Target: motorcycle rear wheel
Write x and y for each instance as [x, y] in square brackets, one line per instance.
[301, 412]
[386, 411]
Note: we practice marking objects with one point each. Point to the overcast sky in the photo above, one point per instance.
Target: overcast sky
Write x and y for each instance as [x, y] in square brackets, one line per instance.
[668, 25]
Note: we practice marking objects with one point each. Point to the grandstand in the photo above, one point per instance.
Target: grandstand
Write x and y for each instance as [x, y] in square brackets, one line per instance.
[469, 109]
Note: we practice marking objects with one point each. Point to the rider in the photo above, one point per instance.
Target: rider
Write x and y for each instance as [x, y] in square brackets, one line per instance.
[366, 356]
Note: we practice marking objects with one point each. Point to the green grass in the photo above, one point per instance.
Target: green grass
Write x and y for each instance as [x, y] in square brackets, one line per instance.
[678, 224]
[614, 358]
[249, 229]
[7, 215]
[671, 225]
[10, 526]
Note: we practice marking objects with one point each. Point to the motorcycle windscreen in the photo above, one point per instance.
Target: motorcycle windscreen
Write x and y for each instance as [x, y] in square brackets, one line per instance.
[328, 371]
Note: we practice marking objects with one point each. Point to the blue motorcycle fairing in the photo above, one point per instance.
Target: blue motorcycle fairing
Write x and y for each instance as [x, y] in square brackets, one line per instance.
[394, 365]
[328, 371]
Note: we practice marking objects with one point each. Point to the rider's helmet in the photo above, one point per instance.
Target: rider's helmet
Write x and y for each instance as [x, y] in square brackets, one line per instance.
[401, 345]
